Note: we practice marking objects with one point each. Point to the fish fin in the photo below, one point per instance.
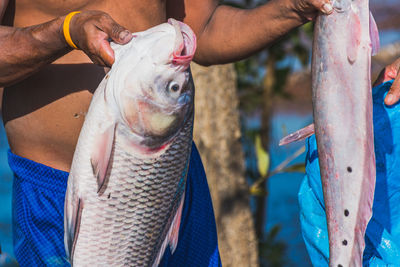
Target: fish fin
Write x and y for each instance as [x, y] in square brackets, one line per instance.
[298, 135]
[100, 157]
[72, 229]
[355, 37]
[172, 235]
[374, 35]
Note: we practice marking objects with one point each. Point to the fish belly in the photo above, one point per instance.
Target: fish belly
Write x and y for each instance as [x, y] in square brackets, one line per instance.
[342, 104]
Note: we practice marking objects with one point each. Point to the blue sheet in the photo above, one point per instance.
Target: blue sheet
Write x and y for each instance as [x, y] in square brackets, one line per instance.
[383, 231]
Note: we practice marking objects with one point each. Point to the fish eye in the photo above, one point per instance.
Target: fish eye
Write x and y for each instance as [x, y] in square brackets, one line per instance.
[173, 87]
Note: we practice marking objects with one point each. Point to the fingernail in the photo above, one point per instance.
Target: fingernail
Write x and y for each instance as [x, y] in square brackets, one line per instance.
[391, 74]
[389, 99]
[327, 8]
[123, 35]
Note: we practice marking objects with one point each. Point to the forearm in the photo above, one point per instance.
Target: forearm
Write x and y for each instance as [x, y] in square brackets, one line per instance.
[25, 50]
[233, 34]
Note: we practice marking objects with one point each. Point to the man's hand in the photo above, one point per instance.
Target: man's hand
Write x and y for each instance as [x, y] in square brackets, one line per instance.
[391, 72]
[91, 32]
[309, 9]
[27, 49]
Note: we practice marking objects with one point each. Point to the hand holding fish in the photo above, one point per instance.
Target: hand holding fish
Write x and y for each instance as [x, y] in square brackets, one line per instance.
[391, 72]
[91, 31]
[309, 9]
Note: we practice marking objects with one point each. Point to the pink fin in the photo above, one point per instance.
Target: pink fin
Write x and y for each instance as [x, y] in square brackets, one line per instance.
[298, 135]
[355, 37]
[73, 229]
[374, 34]
[101, 154]
[173, 234]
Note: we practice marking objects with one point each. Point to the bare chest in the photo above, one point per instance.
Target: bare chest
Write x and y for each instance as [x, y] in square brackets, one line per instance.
[136, 15]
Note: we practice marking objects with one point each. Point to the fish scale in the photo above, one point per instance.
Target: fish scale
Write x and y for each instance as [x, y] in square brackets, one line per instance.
[152, 195]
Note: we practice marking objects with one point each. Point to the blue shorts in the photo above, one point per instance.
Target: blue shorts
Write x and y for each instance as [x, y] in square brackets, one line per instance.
[38, 223]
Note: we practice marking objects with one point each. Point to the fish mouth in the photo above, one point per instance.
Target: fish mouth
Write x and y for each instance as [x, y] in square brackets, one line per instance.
[185, 43]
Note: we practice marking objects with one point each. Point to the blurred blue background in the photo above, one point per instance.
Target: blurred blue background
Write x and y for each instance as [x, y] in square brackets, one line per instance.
[5, 195]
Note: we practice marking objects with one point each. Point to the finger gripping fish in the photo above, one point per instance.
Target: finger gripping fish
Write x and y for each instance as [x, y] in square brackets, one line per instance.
[126, 186]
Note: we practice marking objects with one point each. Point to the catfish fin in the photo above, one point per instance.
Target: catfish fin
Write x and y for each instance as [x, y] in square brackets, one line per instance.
[355, 37]
[374, 35]
[101, 154]
[298, 135]
[172, 235]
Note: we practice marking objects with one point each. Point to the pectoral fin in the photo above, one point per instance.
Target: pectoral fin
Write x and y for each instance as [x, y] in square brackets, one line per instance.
[100, 158]
[72, 225]
[355, 37]
[298, 135]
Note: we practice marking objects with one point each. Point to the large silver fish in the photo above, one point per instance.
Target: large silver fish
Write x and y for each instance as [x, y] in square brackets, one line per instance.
[342, 104]
[126, 186]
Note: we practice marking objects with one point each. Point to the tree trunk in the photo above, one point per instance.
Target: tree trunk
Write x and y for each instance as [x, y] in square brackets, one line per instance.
[217, 135]
[268, 86]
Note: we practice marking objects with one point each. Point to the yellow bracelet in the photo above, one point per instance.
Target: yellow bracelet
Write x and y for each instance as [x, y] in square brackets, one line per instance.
[67, 35]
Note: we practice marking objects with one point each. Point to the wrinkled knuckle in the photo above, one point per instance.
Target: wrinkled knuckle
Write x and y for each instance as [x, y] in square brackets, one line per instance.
[87, 27]
[105, 18]
[115, 30]
[92, 48]
[92, 12]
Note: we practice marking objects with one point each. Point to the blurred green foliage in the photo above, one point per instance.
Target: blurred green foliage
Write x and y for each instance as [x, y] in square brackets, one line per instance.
[289, 54]
[262, 157]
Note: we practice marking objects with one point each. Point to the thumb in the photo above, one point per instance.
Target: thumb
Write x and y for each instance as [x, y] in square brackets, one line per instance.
[393, 95]
[122, 37]
[115, 31]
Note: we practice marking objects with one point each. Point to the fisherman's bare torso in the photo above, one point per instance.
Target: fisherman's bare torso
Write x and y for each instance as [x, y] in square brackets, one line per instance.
[44, 113]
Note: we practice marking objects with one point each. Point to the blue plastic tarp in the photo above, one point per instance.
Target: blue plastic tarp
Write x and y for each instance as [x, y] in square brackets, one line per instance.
[383, 231]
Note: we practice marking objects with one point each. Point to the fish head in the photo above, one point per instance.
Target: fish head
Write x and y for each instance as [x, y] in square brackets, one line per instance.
[152, 89]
